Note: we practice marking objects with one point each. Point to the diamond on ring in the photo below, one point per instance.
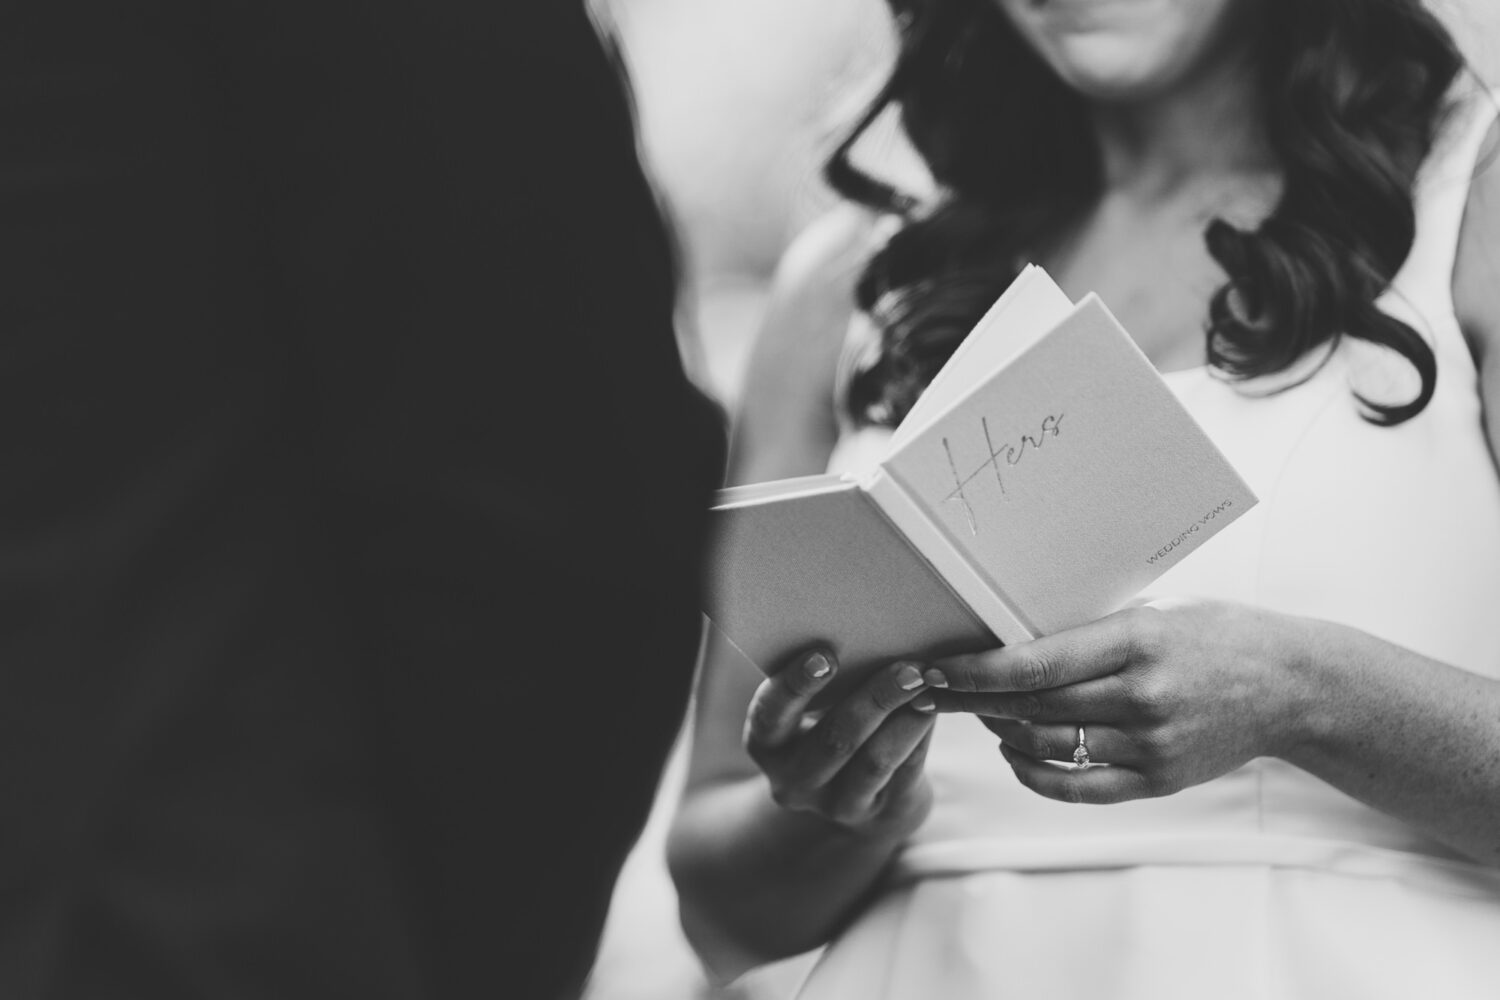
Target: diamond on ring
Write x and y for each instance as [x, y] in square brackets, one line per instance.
[1081, 752]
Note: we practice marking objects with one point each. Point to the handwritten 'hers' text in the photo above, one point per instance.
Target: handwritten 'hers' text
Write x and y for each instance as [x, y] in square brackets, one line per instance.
[1009, 453]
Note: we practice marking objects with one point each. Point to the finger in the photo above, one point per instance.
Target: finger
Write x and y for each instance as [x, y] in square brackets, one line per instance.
[1093, 785]
[906, 795]
[1040, 741]
[1068, 657]
[778, 705]
[1105, 699]
[854, 792]
[847, 725]
[909, 774]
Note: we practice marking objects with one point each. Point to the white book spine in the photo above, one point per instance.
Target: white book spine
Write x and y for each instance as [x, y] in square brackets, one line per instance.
[941, 554]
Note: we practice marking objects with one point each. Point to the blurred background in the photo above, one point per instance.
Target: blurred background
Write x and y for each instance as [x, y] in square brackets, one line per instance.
[739, 101]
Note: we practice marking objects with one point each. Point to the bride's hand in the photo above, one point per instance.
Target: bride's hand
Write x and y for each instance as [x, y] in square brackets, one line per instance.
[857, 763]
[1169, 694]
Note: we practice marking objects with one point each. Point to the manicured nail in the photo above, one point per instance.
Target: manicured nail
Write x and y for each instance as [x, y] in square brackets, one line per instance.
[818, 666]
[924, 703]
[935, 678]
[909, 677]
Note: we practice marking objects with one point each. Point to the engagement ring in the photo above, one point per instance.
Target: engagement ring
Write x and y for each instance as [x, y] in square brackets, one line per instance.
[1081, 753]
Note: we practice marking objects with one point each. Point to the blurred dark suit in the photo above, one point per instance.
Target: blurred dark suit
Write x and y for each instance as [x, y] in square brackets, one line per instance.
[350, 497]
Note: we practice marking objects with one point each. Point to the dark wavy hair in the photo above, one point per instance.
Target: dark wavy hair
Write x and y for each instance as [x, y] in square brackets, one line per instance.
[1354, 92]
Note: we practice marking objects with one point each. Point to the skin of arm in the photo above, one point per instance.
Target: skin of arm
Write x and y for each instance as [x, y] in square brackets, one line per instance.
[757, 880]
[1436, 762]
[1185, 691]
[1439, 767]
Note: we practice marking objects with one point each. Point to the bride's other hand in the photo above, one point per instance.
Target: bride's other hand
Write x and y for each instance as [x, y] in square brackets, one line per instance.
[859, 762]
[1169, 694]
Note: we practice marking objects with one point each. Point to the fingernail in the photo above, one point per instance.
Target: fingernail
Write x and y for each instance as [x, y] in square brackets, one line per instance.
[909, 677]
[924, 703]
[935, 678]
[818, 666]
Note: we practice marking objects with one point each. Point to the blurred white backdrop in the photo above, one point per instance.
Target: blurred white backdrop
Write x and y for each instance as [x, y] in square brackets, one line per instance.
[739, 102]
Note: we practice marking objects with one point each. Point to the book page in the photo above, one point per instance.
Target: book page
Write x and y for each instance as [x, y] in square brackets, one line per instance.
[828, 567]
[1028, 309]
[778, 489]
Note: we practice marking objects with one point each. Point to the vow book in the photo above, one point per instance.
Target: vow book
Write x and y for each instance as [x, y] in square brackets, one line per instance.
[1045, 476]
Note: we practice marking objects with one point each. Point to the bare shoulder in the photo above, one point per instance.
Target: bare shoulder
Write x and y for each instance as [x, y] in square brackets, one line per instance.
[812, 293]
[786, 425]
[1476, 293]
[1476, 290]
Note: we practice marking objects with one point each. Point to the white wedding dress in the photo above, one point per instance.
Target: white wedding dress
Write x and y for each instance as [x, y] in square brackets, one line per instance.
[1265, 883]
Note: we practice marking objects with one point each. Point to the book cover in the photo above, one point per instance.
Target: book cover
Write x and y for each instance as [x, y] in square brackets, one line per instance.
[822, 563]
[1072, 477]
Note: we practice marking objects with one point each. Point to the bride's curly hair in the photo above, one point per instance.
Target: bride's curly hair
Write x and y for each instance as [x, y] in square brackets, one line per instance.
[1354, 92]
